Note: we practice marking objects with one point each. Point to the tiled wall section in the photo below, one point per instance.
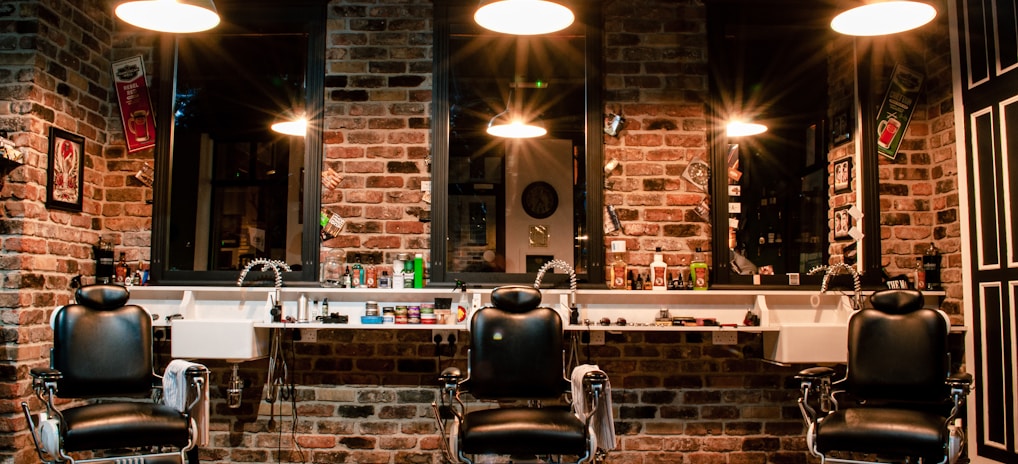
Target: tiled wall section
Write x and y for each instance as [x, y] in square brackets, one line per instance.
[677, 398]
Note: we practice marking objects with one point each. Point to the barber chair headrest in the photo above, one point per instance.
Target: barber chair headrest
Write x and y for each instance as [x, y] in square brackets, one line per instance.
[897, 301]
[516, 298]
[101, 296]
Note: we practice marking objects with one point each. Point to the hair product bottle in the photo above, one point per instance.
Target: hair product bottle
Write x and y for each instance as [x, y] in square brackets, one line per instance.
[698, 271]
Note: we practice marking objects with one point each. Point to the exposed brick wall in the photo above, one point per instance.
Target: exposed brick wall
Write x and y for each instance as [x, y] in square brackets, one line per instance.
[656, 76]
[55, 59]
[377, 124]
[919, 199]
[677, 398]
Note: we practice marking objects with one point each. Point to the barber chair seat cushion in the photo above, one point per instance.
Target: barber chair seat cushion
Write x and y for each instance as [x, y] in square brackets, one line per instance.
[522, 431]
[123, 425]
[898, 432]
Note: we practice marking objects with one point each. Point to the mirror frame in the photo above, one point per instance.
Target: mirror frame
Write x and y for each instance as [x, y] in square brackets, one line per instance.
[588, 12]
[307, 17]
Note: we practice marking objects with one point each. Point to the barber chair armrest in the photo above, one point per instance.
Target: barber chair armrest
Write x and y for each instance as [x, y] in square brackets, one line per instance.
[449, 399]
[44, 384]
[594, 386]
[814, 373]
[44, 381]
[961, 380]
[45, 374]
[197, 376]
[960, 383]
[451, 375]
[815, 380]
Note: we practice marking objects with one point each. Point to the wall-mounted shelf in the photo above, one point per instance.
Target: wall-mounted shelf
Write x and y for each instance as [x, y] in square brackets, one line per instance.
[797, 326]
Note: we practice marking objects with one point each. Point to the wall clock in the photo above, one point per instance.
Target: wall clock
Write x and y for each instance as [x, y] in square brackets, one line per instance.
[540, 200]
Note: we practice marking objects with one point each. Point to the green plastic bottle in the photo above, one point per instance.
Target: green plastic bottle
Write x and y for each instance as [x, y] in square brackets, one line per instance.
[698, 271]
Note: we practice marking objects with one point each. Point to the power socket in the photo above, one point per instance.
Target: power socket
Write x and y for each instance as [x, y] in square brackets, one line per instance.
[725, 337]
[309, 335]
[443, 335]
[597, 337]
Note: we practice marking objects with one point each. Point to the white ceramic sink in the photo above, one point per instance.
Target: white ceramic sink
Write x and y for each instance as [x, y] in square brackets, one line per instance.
[234, 340]
[808, 343]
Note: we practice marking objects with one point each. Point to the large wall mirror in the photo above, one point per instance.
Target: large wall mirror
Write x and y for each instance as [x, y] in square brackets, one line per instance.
[769, 65]
[504, 207]
[229, 188]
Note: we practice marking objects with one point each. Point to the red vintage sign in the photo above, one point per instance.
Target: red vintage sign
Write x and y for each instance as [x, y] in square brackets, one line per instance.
[135, 104]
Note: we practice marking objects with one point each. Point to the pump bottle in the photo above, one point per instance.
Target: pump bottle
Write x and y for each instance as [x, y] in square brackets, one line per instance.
[658, 272]
[618, 267]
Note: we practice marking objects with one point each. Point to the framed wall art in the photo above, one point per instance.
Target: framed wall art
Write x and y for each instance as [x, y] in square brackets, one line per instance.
[66, 170]
[843, 223]
[842, 126]
[843, 175]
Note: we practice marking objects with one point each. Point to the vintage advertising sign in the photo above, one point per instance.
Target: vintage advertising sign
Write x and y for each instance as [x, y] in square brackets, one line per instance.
[896, 109]
[135, 103]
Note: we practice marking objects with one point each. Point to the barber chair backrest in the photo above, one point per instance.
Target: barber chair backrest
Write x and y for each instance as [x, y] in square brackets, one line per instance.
[516, 348]
[103, 346]
[897, 350]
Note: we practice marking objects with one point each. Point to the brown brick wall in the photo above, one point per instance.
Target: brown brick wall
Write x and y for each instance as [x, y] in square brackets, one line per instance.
[656, 76]
[55, 58]
[919, 200]
[377, 124]
[365, 396]
[54, 72]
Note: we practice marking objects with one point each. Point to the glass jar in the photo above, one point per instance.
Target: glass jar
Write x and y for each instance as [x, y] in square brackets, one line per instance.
[332, 271]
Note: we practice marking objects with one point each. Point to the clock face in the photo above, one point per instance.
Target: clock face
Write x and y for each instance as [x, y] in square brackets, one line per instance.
[539, 200]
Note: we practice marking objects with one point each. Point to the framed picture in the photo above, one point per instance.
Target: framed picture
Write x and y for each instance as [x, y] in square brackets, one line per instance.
[66, 171]
[843, 223]
[842, 126]
[843, 176]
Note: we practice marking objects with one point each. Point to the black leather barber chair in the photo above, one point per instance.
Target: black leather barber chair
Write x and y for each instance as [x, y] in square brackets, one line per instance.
[898, 401]
[102, 354]
[516, 369]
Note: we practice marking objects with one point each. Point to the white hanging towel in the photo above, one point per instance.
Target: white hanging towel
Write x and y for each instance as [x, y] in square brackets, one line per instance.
[603, 422]
[177, 395]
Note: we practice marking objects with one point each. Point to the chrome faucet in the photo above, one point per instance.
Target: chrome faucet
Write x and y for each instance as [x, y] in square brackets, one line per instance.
[267, 264]
[574, 313]
[835, 269]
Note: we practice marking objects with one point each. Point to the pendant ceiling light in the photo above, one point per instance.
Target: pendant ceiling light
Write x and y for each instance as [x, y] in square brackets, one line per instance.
[297, 126]
[178, 16]
[882, 17]
[743, 129]
[513, 125]
[524, 17]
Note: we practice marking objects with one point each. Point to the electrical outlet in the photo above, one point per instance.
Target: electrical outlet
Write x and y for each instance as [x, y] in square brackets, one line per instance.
[445, 342]
[309, 335]
[725, 337]
[442, 334]
[597, 337]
